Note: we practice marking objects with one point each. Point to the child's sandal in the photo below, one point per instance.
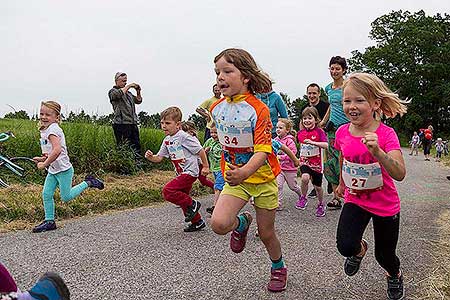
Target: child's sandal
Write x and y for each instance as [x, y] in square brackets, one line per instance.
[335, 203]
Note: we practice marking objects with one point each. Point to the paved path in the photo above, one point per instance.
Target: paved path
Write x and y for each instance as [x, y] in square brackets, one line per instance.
[145, 253]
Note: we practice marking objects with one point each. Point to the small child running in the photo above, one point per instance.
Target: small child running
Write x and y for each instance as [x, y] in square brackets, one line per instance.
[439, 149]
[189, 127]
[214, 150]
[248, 163]
[285, 135]
[56, 159]
[183, 150]
[415, 140]
[370, 160]
[312, 139]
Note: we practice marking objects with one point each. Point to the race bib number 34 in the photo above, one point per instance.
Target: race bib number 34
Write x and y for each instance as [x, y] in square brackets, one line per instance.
[362, 177]
[235, 135]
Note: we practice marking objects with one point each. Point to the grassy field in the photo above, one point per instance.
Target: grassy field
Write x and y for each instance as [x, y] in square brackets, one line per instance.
[91, 149]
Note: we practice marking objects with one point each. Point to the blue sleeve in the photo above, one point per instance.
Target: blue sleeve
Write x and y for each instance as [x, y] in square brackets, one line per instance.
[281, 107]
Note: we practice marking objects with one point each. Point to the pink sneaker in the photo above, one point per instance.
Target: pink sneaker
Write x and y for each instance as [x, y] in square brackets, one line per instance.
[278, 280]
[237, 239]
[302, 202]
[320, 212]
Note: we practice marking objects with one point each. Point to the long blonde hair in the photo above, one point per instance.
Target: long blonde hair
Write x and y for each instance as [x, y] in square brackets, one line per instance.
[372, 88]
[259, 82]
[54, 106]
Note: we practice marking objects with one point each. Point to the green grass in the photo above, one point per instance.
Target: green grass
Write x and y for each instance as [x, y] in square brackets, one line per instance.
[91, 148]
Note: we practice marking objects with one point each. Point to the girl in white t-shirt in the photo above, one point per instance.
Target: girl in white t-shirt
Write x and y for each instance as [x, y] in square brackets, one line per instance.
[56, 160]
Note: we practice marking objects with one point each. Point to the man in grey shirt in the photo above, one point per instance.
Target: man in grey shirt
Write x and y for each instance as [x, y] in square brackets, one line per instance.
[125, 119]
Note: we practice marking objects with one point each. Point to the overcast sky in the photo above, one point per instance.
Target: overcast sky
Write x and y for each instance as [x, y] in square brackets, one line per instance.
[69, 50]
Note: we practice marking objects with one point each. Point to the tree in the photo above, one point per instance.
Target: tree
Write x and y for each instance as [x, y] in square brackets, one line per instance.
[21, 114]
[411, 56]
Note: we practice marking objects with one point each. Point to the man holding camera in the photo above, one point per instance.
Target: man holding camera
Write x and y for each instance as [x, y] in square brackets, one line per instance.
[125, 118]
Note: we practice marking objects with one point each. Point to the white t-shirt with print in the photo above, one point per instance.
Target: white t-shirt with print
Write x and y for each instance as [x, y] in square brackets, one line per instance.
[182, 149]
[62, 163]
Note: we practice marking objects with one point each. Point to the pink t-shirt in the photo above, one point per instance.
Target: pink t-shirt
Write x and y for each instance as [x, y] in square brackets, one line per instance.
[384, 201]
[313, 161]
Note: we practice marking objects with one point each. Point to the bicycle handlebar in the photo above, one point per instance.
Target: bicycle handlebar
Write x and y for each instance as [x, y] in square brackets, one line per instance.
[6, 135]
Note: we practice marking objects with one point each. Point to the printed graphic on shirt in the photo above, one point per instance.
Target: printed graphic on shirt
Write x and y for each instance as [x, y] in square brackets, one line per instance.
[176, 155]
[362, 177]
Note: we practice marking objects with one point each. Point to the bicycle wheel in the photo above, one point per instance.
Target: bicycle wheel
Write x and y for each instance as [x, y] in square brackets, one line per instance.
[30, 173]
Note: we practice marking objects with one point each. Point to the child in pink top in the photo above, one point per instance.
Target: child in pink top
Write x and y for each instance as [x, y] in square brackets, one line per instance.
[312, 139]
[370, 159]
[288, 173]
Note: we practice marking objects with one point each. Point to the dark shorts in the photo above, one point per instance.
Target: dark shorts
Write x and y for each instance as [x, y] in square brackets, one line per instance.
[316, 177]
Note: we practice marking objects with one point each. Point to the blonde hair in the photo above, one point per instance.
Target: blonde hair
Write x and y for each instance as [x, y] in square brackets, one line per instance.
[259, 82]
[173, 113]
[55, 107]
[289, 125]
[372, 88]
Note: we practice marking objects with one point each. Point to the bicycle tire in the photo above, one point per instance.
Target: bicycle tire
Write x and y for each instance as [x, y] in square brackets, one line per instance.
[30, 173]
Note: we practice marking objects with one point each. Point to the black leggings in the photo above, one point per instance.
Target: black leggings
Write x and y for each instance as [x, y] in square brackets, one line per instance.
[352, 223]
[426, 146]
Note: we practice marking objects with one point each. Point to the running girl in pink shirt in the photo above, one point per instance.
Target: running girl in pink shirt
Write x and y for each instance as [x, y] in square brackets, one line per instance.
[312, 139]
[285, 135]
[370, 160]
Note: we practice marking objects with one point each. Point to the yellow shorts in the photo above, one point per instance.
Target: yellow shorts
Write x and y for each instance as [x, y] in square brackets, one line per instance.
[265, 195]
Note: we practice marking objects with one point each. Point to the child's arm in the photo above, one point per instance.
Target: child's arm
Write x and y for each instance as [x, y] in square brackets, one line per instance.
[323, 145]
[153, 158]
[392, 161]
[237, 175]
[56, 151]
[340, 189]
[205, 170]
[290, 154]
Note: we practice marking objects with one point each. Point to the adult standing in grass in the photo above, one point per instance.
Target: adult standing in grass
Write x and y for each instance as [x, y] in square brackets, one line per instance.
[125, 119]
[203, 110]
[334, 118]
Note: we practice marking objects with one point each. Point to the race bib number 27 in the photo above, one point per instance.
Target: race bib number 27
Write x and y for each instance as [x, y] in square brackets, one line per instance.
[362, 177]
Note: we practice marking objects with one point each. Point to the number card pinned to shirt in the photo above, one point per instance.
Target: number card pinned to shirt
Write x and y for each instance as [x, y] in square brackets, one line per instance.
[362, 177]
[46, 146]
[307, 150]
[236, 134]
[176, 151]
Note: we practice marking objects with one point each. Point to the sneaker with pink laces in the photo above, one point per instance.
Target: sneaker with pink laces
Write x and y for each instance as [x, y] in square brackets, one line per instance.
[238, 239]
[302, 202]
[278, 280]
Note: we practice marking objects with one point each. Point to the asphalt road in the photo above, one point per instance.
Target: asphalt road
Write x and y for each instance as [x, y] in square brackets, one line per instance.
[144, 253]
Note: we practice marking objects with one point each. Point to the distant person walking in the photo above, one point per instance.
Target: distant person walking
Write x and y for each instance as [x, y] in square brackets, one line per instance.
[125, 120]
[426, 142]
[203, 110]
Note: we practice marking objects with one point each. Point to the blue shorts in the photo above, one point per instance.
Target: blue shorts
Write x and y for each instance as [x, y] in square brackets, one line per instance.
[219, 181]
